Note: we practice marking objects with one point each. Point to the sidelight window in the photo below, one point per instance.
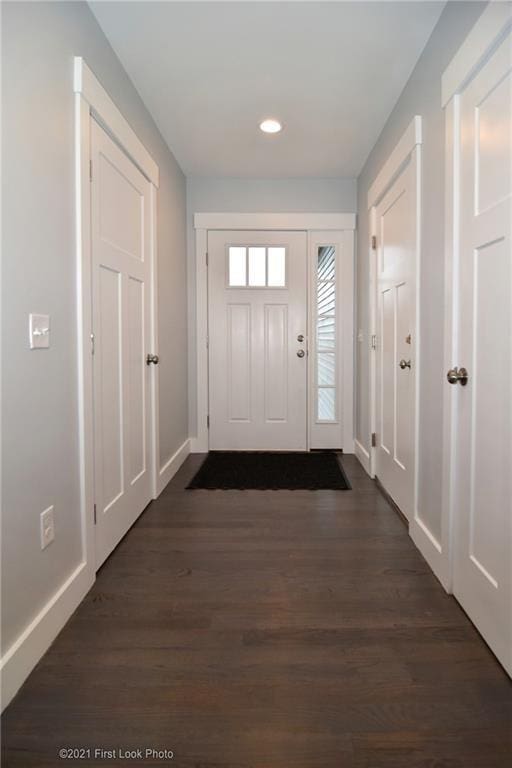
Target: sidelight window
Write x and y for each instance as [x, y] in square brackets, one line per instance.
[325, 320]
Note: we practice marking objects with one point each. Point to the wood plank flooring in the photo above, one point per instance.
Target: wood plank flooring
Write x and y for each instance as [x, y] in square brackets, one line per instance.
[255, 629]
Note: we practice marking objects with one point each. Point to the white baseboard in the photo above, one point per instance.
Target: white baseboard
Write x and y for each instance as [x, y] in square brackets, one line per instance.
[362, 455]
[21, 658]
[431, 550]
[172, 465]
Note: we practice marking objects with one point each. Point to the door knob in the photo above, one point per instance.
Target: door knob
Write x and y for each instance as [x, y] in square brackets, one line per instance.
[404, 364]
[152, 359]
[459, 375]
[300, 353]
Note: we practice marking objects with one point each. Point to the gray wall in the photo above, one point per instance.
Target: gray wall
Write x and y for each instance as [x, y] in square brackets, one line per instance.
[237, 195]
[421, 96]
[39, 406]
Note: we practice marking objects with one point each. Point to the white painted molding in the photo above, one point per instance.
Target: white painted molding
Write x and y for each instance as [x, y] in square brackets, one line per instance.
[363, 456]
[273, 221]
[200, 443]
[29, 647]
[486, 34]
[431, 550]
[106, 112]
[172, 465]
[393, 165]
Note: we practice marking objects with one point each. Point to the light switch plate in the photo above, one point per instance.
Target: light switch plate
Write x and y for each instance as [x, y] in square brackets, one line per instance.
[47, 527]
[39, 331]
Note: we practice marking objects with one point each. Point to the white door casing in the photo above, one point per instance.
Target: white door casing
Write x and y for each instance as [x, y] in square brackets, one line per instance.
[314, 225]
[121, 273]
[258, 383]
[395, 218]
[481, 293]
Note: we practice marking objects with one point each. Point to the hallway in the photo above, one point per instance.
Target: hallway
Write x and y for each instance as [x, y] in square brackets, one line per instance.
[267, 630]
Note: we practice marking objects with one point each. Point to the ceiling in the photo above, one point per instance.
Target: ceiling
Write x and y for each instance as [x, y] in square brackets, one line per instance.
[209, 72]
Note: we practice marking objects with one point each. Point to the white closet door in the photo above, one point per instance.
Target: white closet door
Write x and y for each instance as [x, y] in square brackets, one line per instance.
[257, 283]
[120, 205]
[395, 363]
[483, 509]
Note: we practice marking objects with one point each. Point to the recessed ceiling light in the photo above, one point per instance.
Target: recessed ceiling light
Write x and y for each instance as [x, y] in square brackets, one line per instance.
[271, 126]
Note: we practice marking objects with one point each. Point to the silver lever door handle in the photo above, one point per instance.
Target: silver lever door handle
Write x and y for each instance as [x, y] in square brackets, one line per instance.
[152, 359]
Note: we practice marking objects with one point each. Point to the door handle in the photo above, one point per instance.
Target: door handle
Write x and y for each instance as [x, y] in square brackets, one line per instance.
[152, 359]
[458, 375]
[300, 353]
[404, 364]
[300, 337]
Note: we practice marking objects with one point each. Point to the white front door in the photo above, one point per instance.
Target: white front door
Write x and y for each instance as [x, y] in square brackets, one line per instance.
[121, 226]
[396, 337]
[257, 298]
[482, 576]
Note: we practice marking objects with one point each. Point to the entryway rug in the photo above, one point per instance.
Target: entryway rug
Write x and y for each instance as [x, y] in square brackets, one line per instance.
[243, 470]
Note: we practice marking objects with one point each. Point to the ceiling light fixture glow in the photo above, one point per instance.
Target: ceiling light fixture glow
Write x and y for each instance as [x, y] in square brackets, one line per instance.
[271, 126]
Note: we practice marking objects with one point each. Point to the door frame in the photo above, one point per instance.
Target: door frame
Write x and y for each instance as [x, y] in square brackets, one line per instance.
[408, 149]
[487, 33]
[304, 222]
[92, 102]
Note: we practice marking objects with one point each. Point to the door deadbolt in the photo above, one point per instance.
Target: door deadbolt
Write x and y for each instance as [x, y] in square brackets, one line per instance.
[152, 359]
[458, 375]
[300, 337]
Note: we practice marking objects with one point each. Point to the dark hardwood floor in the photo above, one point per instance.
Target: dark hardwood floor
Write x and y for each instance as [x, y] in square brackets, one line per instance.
[264, 629]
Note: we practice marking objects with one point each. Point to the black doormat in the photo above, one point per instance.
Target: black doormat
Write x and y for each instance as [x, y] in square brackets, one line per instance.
[239, 470]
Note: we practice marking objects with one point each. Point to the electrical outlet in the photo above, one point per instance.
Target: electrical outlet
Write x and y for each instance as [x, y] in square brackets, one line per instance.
[47, 527]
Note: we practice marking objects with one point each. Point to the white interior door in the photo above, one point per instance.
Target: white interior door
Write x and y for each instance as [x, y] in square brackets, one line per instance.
[121, 219]
[257, 283]
[396, 342]
[482, 549]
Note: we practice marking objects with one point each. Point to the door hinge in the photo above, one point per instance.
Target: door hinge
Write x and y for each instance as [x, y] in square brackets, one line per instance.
[95, 514]
[92, 343]
[90, 170]
[374, 439]
[207, 342]
[208, 422]
[206, 258]
[374, 242]
[374, 341]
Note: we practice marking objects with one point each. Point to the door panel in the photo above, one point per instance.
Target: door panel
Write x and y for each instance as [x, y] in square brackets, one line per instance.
[482, 578]
[276, 362]
[120, 216]
[257, 283]
[239, 361]
[396, 258]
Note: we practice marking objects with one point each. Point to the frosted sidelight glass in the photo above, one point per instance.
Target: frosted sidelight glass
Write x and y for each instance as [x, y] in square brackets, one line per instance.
[325, 331]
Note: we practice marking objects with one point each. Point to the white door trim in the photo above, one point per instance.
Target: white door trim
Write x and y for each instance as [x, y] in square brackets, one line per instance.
[487, 33]
[411, 139]
[93, 102]
[484, 37]
[241, 221]
[407, 149]
[393, 165]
